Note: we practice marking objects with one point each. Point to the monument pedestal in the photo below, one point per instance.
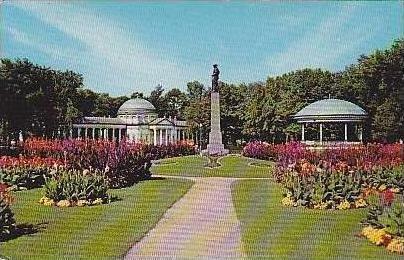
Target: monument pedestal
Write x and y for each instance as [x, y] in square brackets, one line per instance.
[215, 146]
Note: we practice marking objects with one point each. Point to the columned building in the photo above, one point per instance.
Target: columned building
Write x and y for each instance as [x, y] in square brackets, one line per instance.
[137, 121]
[336, 121]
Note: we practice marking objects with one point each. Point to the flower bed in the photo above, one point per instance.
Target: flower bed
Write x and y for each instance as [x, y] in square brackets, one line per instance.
[25, 173]
[75, 188]
[266, 151]
[384, 223]
[333, 178]
[316, 187]
[122, 163]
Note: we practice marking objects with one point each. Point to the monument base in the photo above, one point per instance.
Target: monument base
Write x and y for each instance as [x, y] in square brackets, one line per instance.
[215, 149]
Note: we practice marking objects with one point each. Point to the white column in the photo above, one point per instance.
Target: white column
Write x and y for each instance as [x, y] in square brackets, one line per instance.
[92, 133]
[113, 134]
[361, 133]
[105, 134]
[173, 136]
[161, 136]
[346, 132]
[183, 134]
[166, 141]
[303, 132]
[71, 132]
[119, 134]
[321, 132]
[154, 136]
[79, 132]
[86, 133]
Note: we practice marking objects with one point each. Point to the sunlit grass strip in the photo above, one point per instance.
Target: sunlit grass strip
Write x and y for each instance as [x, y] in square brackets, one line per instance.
[105, 231]
[272, 231]
[231, 166]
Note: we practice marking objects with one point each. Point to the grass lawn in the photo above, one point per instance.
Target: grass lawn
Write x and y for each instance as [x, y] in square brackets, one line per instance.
[105, 231]
[271, 230]
[231, 166]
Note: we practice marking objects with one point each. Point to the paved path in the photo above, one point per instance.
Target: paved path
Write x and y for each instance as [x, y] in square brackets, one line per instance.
[203, 224]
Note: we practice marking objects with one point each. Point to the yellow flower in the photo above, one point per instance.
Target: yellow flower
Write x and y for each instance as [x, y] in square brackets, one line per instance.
[49, 202]
[382, 187]
[97, 202]
[344, 205]
[43, 199]
[396, 245]
[395, 190]
[366, 231]
[81, 203]
[63, 203]
[360, 203]
[287, 201]
[321, 205]
[376, 236]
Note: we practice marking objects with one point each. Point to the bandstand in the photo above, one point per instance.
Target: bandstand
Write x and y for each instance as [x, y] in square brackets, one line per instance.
[344, 115]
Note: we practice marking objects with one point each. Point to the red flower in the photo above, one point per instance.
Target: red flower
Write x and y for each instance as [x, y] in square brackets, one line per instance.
[3, 188]
[388, 197]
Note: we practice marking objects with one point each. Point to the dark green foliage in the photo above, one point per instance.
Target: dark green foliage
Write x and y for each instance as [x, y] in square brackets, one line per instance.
[7, 222]
[24, 177]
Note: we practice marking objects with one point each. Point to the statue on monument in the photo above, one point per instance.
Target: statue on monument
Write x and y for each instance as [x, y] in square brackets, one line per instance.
[215, 145]
[215, 78]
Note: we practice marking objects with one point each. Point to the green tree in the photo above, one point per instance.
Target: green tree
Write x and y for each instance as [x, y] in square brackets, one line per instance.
[175, 101]
[157, 99]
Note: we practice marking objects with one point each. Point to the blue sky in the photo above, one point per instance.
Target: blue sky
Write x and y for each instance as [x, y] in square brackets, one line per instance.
[126, 46]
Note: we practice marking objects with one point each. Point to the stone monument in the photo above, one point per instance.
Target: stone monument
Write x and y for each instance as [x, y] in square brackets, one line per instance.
[215, 146]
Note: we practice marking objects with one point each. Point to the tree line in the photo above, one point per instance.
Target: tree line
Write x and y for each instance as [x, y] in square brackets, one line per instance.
[41, 101]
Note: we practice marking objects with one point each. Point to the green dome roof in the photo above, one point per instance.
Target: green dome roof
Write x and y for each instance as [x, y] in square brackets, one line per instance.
[136, 106]
[331, 110]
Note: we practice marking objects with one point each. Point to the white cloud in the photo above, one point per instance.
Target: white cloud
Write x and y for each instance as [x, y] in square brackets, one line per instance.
[113, 55]
[321, 47]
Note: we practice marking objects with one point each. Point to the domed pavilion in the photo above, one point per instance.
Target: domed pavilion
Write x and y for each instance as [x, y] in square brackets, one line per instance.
[136, 121]
[334, 116]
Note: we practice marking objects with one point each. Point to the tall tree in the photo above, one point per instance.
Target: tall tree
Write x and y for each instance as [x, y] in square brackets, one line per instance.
[157, 99]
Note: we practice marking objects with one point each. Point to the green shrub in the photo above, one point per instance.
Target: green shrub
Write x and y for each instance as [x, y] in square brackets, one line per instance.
[7, 222]
[326, 187]
[73, 185]
[23, 177]
[386, 211]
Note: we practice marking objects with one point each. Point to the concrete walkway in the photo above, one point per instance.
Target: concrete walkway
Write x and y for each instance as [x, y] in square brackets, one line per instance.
[201, 224]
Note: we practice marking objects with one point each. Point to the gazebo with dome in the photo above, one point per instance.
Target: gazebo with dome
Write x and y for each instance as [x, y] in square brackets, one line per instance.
[136, 121]
[332, 112]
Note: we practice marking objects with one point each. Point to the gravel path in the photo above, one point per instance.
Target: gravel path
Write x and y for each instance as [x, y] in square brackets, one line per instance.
[203, 224]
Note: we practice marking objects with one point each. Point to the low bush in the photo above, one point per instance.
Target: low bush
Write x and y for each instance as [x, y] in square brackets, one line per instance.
[181, 148]
[7, 222]
[72, 187]
[289, 152]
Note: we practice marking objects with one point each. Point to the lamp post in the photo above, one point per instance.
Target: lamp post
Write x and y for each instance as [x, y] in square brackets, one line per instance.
[200, 137]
